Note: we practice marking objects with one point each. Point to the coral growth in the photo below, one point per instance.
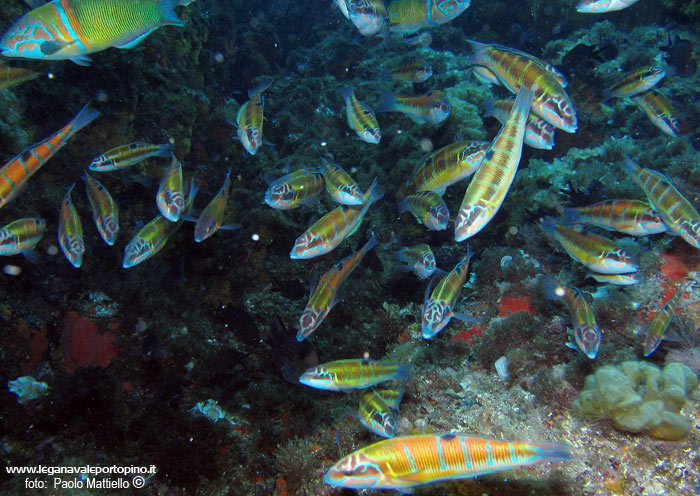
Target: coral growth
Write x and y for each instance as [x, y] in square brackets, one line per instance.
[83, 346]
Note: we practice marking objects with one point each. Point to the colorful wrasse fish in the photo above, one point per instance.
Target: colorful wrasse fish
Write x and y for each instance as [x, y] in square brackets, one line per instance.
[616, 279]
[344, 375]
[491, 182]
[428, 208]
[602, 6]
[21, 235]
[405, 462]
[13, 75]
[71, 29]
[415, 72]
[586, 334]
[15, 173]
[70, 231]
[171, 198]
[301, 187]
[368, 16]
[438, 308]
[125, 156]
[448, 165]
[331, 229]
[485, 75]
[211, 218]
[104, 209]
[152, 237]
[361, 118]
[660, 112]
[379, 411]
[325, 295]
[661, 321]
[342, 188]
[675, 210]
[431, 108]
[249, 119]
[595, 252]
[419, 259]
[539, 133]
[632, 217]
[514, 69]
[408, 16]
[636, 82]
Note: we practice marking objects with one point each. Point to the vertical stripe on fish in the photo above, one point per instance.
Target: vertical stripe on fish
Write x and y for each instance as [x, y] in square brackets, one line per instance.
[448, 165]
[104, 209]
[661, 321]
[632, 217]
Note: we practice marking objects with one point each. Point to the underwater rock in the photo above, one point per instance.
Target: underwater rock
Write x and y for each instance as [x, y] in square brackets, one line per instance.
[639, 397]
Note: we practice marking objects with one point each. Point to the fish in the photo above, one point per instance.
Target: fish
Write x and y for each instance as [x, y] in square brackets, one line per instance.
[415, 72]
[674, 209]
[211, 218]
[21, 236]
[378, 411]
[595, 252]
[368, 16]
[635, 82]
[405, 462]
[448, 165]
[124, 156]
[431, 108]
[152, 237]
[602, 6]
[294, 189]
[438, 308]
[491, 182]
[586, 335]
[11, 75]
[171, 198]
[661, 321]
[70, 231]
[345, 375]
[539, 133]
[419, 259]
[660, 112]
[514, 68]
[408, 16]
[616, 279]
[104, 209]
[249, 119]
[15, 173]
[344, 6]
[428, 208]
[73, 29]
[325, 295]
[331, 229]
[342, 188]
[485, 76]
[633, 217]
[361, 118]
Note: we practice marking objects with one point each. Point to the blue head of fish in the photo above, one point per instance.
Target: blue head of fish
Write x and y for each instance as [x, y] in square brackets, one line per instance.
[436, 315]
[587, 339]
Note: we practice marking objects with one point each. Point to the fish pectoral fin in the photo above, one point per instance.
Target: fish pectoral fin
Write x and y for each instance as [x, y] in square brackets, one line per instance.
[572, 345]
[51, 47]
[135, 41]
[230, 227]
[82, 60]
[466, 318]
[30, 255]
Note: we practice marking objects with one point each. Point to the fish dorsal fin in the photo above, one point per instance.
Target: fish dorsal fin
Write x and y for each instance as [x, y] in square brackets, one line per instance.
[35, 4]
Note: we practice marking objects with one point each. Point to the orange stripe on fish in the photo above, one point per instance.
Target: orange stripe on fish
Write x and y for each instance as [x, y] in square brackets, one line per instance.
[632, 217]
[361, 118]
[448, 165]
[660, 112]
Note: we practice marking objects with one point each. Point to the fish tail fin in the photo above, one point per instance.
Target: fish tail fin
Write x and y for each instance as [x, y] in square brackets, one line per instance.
[386, 75]
[347, 92]
[548, 224]
[184, 2]
[387, 102]
[170, 18]
[554, 452]
[371, 243]
[571, 216]
[552, 289]
[373, 194]
[490, 108]
[404, 371]
[166, 150]
[259, 88]
[86, 115]
[478, 52]
[630, 167]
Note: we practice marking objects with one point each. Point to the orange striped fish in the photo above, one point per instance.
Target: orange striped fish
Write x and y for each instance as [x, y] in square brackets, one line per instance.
[331, 229]
[21, 235]
[660, 112]
[428, 208]
[490, 184]
[675, 210]
[539, 133]
[15, 173]
[249, 120]
[595, 252]
[104, 209]
[343, 375]
[661, 321]
[127, 155]
[635, 82]
[632, 217]
[13, 75]
[405, 462]
[448, 165]
[325, 295]
[70, 231]
[514, 69]
[342, 188]
[361, 118]
[431, 108]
